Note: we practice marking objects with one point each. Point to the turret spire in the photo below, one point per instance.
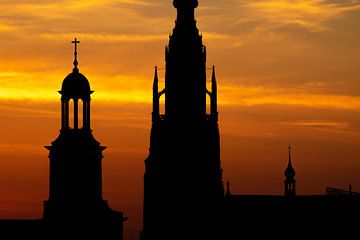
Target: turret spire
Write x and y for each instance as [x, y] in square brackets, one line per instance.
[290, 180]
[290, 171]
[75, 42]
[156, 100]
[213, 103]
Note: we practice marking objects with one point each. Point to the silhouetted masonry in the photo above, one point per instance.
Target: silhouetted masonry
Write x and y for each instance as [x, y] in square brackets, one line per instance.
[75, 208]
[183, 190]
[183, 185]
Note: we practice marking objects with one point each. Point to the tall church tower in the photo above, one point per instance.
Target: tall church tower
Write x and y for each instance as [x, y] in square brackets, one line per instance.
[75, 206]
[183, 186]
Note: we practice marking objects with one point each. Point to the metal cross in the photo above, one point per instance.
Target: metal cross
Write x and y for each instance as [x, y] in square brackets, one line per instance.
[75, 53]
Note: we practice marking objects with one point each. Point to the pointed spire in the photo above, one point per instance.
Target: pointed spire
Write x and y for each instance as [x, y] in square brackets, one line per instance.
[228, 192]
[213, 103]
[156, 101]
[156, 78]
[290, 171]
[75, 42]
[213, 76]
[290, 182]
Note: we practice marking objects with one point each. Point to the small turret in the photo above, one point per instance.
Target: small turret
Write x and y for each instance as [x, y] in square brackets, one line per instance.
[290, 181]
[213, 102]
[156, 100]
[75, 87]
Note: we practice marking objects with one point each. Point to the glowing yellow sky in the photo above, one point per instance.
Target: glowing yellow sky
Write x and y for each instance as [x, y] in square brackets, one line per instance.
[310, 47]
[288, 72]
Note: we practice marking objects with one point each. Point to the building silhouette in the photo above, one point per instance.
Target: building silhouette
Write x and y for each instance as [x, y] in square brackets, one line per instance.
[298, 216]
[184, 197]
[290, 182]
[75, 205]
[183, 190]
[183, 177]
[75, 208]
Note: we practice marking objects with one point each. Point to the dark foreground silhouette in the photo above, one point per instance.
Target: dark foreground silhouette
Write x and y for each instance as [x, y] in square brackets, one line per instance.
[183, 189]
[75, 208]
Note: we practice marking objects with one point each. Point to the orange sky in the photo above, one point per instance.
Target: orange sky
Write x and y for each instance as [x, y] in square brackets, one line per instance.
[288, 73]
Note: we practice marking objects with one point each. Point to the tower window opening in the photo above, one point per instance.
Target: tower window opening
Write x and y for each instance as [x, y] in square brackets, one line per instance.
[162, 104]
[71, 113]
[208, 104]
[80, 113]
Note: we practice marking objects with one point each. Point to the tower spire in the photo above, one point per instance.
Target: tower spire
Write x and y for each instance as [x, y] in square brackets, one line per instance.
[213, 103]
[290, 177]
[75, 42]
[156, 100]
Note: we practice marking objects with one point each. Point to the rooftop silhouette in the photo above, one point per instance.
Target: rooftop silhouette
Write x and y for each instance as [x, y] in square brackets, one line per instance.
[75, 206]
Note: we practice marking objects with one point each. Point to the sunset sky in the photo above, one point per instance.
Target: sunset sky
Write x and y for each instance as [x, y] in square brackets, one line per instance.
[288, 73]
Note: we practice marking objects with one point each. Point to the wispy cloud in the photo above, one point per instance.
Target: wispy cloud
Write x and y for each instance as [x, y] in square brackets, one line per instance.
[318, 124]
[255, 95]
[312, 15]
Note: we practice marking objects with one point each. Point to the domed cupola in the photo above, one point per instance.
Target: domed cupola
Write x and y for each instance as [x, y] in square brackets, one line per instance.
[75, 87]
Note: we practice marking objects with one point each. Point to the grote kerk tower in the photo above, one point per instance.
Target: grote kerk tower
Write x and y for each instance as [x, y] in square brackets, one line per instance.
[183, 185]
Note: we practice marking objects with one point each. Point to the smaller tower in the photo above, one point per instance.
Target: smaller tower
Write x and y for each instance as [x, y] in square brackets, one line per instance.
[290, 182]
[76, 206]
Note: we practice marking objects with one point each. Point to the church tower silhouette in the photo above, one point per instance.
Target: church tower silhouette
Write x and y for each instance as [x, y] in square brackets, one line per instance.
[290, 182]
[183, 185]
[75, 206]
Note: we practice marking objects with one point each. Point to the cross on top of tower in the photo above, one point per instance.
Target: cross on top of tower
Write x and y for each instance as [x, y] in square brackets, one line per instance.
[75, 42]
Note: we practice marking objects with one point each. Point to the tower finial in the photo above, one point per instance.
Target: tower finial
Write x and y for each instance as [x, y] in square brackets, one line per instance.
[213, 76]
[75, 42]
[213, 97]
[156, 101]
[289, 147]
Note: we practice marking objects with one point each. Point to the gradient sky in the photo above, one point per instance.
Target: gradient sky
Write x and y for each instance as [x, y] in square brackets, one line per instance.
[288, 73]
